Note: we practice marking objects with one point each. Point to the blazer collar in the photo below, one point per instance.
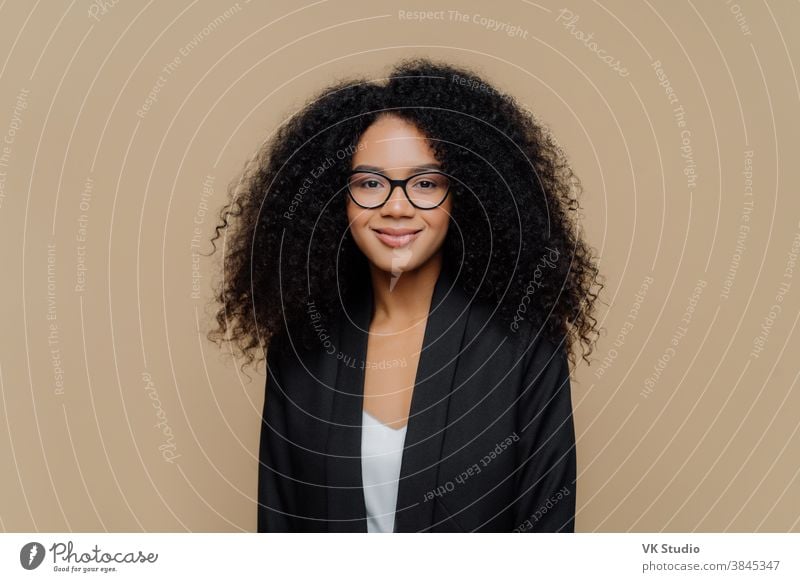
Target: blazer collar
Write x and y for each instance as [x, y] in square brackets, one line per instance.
[441, 345]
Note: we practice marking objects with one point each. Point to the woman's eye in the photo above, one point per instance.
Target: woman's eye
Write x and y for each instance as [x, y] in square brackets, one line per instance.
[423, 185]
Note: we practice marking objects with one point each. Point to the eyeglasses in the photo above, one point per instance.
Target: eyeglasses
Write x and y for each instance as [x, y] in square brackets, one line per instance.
[425, 191]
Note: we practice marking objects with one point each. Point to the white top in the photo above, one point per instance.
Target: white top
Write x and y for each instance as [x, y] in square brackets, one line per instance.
[381, 455]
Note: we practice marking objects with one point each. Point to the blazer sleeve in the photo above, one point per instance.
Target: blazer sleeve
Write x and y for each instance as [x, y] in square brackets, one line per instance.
[546, 459]
[276, 491]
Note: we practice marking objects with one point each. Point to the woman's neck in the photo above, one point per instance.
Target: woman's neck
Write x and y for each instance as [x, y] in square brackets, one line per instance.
[404, 298]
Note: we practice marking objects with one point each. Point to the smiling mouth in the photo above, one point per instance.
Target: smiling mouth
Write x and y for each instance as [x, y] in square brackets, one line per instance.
[396, 237]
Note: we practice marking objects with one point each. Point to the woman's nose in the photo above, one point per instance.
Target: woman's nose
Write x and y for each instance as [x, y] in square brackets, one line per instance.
[398, 203]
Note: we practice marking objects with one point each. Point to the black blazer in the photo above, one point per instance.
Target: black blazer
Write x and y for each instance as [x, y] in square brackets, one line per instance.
[490, 443]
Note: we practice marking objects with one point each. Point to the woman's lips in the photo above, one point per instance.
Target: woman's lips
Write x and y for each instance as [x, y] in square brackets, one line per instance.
[396, 237]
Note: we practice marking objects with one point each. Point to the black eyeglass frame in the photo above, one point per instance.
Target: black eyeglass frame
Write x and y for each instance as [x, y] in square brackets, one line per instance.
[394, 184]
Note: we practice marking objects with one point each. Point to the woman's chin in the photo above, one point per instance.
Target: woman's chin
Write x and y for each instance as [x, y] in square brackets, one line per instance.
[394, 268]
[395, 263]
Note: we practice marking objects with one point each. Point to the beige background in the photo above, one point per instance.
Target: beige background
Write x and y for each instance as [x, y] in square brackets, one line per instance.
[713, 447]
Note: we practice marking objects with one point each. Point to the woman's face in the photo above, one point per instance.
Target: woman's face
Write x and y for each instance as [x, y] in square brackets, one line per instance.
[397, 149]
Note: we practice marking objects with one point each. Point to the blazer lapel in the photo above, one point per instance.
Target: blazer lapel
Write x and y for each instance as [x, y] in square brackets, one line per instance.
[427, 421]
[346, 509]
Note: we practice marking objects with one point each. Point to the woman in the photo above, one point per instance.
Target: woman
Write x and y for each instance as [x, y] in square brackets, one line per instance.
[404, 252]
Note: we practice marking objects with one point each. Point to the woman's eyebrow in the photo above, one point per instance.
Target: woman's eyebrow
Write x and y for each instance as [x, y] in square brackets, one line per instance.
[421, 167]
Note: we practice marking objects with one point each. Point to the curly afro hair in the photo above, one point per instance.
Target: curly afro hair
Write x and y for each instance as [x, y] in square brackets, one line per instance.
[514, 226]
